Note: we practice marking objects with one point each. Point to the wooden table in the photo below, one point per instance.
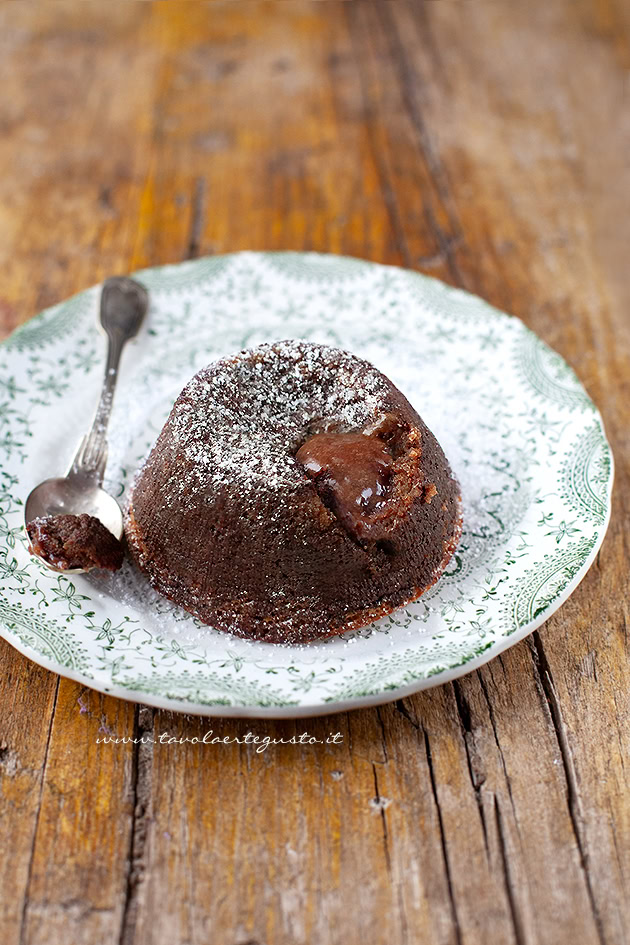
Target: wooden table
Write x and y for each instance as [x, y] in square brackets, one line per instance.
[487, 144]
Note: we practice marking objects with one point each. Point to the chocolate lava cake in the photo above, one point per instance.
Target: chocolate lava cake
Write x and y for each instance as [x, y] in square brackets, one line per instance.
[293, 493]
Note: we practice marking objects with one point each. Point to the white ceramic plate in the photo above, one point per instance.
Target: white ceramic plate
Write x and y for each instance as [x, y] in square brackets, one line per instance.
[523, 437]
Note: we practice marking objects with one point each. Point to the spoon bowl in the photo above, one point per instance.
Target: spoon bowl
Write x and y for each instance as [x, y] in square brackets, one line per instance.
[71, 496]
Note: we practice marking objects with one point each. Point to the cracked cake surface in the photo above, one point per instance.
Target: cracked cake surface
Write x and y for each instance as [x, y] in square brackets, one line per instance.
[292, 494]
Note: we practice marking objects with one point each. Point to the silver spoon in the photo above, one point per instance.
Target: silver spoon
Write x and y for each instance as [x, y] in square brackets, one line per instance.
[124, 303]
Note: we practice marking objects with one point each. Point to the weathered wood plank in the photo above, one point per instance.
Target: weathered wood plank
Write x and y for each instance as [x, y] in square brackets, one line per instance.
[77, 879]
[468, 140]
[27, 699]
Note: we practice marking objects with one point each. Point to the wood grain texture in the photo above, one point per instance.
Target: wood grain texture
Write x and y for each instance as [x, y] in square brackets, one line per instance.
[485, 144]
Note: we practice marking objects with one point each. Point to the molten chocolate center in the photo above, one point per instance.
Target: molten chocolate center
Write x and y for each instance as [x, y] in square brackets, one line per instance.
[352, 472]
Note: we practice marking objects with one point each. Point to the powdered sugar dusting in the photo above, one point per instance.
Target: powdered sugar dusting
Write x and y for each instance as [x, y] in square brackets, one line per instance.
[243, 417]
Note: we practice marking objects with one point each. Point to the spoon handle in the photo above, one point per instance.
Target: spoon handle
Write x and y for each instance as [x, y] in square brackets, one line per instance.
[124, 303]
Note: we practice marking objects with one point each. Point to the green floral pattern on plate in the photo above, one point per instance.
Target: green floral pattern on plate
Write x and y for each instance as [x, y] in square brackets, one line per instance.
[522, 435]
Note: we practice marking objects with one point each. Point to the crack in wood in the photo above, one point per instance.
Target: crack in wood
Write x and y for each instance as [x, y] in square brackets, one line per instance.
[400, 706]
[29, 872]
[484, 689]
[510, 890]
[387, 190]
[613, 831]
[379, 802]
[141, 779]
[197, 219]
[383, 740]
[619, 741]
[409, 81]
[477, 778]
[546, 684]
[447, 867]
